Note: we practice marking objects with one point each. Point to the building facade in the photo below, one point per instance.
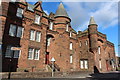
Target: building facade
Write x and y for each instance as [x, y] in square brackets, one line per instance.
[31, 38]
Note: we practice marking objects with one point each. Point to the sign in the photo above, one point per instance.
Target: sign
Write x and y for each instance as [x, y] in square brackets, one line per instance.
[15, 48]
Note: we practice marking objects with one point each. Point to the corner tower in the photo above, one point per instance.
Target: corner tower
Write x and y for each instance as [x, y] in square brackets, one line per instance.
[61, 17]
[92, 27]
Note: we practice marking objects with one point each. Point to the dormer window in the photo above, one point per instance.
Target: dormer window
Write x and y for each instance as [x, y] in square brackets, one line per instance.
[67, 27]
[51, 26]
[19, 12]
[37, 19]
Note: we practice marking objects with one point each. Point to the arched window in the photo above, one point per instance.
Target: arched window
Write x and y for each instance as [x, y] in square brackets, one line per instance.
[49, 37]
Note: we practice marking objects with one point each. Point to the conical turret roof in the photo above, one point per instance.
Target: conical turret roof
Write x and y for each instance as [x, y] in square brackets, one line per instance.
[61, 11]
[92, 21]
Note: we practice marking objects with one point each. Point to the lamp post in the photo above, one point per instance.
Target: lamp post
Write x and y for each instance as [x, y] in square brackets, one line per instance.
[52, 60]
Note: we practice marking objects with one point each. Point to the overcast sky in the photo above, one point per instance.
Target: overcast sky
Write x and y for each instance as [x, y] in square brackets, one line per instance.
[104, 12]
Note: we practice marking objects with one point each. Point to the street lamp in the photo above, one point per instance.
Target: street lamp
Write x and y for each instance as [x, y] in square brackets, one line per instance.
[52, 60]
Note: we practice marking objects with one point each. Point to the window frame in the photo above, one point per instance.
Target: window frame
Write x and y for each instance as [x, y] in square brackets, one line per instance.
[32, 35]
[80, 44]
[18, 53]
[71, 59]
[32, 55]
[15, 31]
[84, 64]
[20, 13]
[67, 27]
[37, 53]
[37, 19]
[100, 64]
[39, 38]
[71, 46]
[22, 31]
[10, 51]
[51, 25]
[70, 34]
[99, 50]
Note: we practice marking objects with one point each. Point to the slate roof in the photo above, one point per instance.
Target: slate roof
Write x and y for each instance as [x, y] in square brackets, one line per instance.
[92, 21]
[61, 11]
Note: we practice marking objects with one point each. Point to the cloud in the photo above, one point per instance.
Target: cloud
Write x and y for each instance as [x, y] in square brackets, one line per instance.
[105, 13]
[73, 0]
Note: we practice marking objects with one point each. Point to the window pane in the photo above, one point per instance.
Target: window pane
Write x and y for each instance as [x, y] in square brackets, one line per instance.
[70, 34]
[38, 35]
[67, 27]
[48, 41]
[8, 51]
[86, 42]
[81, 64]
[30, 53]
[16, 53]
[99, 50]
[51, 26]
[32, 35]
[71, 59]
[100, 64]
[19, 12]
[80, 43]
[70, 46]
[12, 30]
[36, 55]
[19, 32]
[37, 19]
[86, 64]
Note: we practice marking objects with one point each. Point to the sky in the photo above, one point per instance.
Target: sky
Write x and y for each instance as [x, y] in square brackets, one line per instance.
[104, 12]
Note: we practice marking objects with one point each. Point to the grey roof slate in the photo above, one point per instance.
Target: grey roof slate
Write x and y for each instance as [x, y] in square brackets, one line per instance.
[61, 11]
[92, 21]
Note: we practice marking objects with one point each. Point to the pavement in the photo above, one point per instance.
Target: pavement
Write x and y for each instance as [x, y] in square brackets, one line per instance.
[81, 76]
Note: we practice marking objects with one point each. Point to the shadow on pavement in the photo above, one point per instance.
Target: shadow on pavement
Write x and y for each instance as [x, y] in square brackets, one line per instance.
[105, 76]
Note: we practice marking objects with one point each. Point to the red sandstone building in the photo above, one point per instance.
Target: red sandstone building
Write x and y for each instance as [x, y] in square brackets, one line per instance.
[38, 37]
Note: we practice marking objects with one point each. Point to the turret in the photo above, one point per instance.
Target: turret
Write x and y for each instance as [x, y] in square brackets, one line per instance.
[92, 28]
[61, 17]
